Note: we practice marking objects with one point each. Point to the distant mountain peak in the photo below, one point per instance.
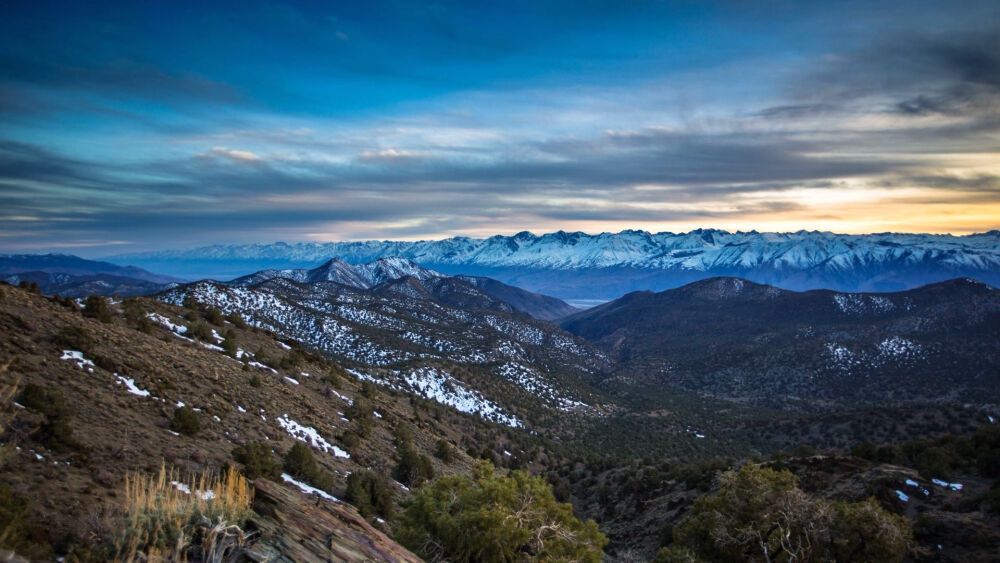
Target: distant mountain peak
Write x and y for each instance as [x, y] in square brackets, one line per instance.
[576, 265]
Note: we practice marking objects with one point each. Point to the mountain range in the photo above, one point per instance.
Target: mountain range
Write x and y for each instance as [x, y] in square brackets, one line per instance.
[735, 339]
[74, 266]
[580, 267]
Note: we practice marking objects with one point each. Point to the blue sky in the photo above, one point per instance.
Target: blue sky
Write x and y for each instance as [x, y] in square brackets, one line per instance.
[135, 126]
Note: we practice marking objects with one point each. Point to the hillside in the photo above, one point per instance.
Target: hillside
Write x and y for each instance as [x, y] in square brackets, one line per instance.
[115, 381]
[736, 339]
[578, 266]
[123, 380]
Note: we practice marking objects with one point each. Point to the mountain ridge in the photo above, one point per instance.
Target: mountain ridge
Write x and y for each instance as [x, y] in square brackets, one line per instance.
[736, 339]
[616, 263]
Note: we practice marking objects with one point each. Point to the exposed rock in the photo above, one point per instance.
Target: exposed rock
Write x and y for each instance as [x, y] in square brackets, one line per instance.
[296, 527]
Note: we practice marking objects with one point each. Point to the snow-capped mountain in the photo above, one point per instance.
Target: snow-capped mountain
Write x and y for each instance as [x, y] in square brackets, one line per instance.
[441, 338]
[616, 263]
[361, 276]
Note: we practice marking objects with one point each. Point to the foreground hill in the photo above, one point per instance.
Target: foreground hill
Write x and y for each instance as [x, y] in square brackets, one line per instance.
[608, 265]
[118, 385]
[733, 338]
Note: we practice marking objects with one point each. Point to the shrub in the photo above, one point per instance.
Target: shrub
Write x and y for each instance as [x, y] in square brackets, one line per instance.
[761, 514]
[30, 287]
[487, 517]
[214, 316]
[350, 439]
[167, 519]
[57, 430]
[257, 461]
[291, 360]
[368, 492]
[254, 379]
[185, 421]
[300, 463]
[96, 307]
[17, 533]
[74, 338]
[360, 412]
[413, 468]
[444, 451]
[201, 331]
[229, 345]
[236, 319]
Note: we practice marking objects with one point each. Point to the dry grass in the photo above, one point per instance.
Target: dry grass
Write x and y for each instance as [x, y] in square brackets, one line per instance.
[170, 519]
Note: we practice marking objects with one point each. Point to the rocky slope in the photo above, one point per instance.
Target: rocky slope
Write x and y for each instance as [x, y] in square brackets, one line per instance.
[121, 382]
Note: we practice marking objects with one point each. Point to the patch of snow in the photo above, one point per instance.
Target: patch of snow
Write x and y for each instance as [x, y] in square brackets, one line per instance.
[306, 488]
[902, 496]
[166, 323]
[262, 366]
[77, 356]
[947, 485]
[241, 409]
[290, 380]
[309, 435]
[129, 384]
[283, 345]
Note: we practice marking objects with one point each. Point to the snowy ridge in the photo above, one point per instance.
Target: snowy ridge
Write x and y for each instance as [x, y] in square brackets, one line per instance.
[438, 385]
[382, 330]
[701, 250]
[361, 276]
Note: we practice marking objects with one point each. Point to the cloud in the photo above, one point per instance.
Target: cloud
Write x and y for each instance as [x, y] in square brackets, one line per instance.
[232, 154]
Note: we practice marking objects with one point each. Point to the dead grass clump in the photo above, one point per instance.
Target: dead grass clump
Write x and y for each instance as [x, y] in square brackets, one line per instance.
[170, 519]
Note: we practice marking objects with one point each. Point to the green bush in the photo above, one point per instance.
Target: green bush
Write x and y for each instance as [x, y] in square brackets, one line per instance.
[96, 307]
[201, 331]
[214, 316]
[73, 337]
[761, 514]
[360, 413]
[444, 451]
[257, 461]
[17, 534]
[229, 345]
[488, 517]
[57, 430]
[368, 492]
[413, 468]
[236, 319]
[300, 463]
[185, 421]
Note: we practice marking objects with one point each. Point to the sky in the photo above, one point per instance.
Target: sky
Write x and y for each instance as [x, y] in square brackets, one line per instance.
[138, 126]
